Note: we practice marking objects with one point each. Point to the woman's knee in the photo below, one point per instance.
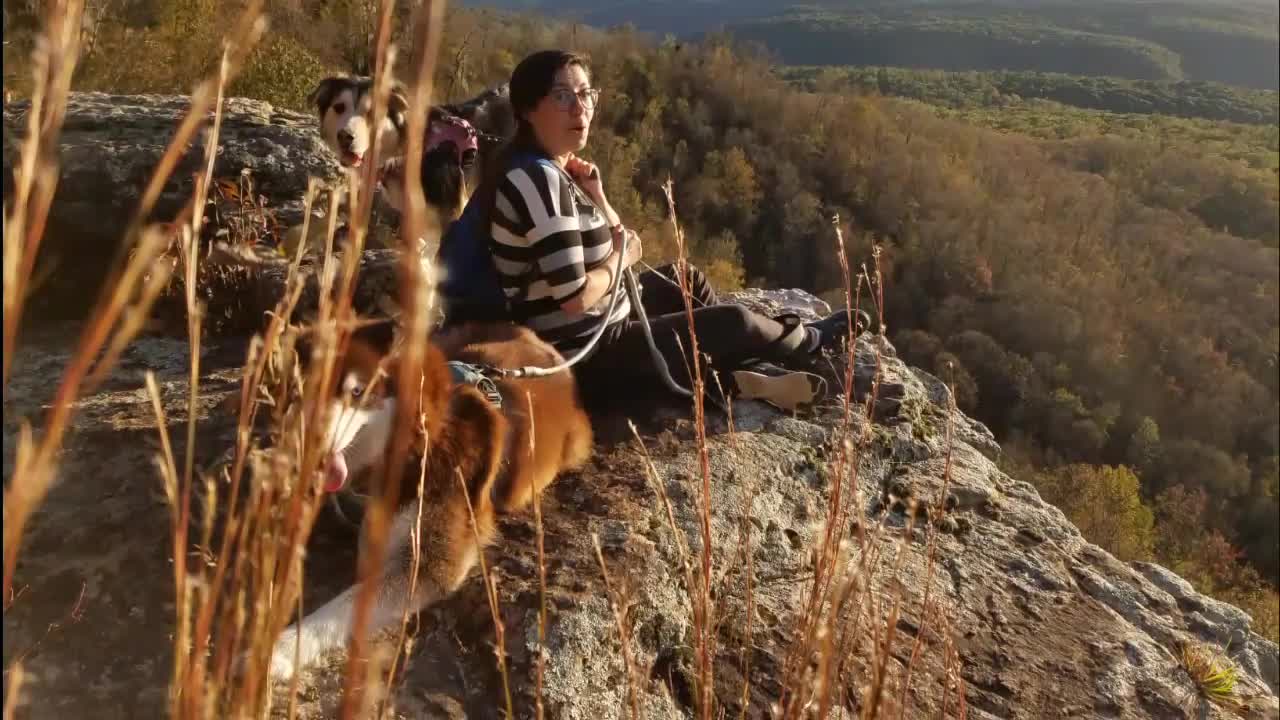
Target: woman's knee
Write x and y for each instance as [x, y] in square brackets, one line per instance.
[730, 323]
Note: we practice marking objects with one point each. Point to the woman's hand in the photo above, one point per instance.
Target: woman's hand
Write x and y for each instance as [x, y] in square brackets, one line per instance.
[602, 277]
[587, 175]
[634, 247]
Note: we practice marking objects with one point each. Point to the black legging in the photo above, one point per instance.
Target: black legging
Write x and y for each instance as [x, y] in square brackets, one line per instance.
[729, 333]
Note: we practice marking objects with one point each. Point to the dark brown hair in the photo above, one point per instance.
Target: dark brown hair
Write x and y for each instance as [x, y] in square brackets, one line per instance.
[530, 82]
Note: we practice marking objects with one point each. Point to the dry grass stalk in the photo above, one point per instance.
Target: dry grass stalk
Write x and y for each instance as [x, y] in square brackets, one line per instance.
[13, 689]
[846, 615]
[415, 296]
[931, 552]
[624, 637]
[872, 708]
[829, 549]
[677, 535]
[177, 519]
[703, 611]
[73, 616]
[227, 579]
[297, 646]
[541, 663]
[35, 179]
[257, 361]
[491, 592]
[890, 622]
[952, 678]
[376, 525]
[415, 564]
[839, 597]
[852, 603]
[194, 315]
[195, 311]
[659, 489]
[190, 683]
[270, 527]
[329, 268]
[823, 670]
[748, 582]
[540, 666]
[728, 408]
[853, 302]
[36, 171]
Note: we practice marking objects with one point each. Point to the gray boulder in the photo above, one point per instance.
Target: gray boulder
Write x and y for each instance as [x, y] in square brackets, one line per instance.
[111, 144]
[109, 149]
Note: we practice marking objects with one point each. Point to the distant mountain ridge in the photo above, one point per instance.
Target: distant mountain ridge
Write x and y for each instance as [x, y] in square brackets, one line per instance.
[1231, 42]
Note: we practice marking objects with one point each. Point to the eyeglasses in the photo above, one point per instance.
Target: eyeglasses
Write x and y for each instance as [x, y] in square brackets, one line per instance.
[564, 97]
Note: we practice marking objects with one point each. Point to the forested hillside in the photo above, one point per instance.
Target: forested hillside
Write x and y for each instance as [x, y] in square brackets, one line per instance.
[965, 90]
[1108, 303]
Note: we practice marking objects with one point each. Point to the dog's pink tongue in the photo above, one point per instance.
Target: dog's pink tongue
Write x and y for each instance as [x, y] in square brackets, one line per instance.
[335, 472]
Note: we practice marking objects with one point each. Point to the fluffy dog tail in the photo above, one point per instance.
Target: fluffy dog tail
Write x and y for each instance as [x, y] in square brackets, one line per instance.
[578, 442]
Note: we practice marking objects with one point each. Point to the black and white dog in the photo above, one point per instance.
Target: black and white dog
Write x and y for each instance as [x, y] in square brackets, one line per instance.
[459, 139]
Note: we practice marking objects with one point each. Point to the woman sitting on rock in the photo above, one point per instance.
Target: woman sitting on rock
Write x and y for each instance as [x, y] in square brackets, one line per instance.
[555, 242]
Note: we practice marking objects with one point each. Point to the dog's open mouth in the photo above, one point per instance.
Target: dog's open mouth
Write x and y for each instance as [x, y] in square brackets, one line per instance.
[351, 159]
[335, 472]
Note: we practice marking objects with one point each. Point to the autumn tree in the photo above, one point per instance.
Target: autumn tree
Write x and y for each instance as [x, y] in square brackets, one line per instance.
[1106, 504]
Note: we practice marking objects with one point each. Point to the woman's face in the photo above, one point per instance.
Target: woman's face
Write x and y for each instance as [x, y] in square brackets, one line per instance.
[562, 119]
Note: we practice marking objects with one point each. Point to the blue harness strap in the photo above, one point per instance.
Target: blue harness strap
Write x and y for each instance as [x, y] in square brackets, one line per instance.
[473, 375]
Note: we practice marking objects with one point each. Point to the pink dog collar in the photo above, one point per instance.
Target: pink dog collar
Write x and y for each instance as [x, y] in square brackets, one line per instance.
[453, 129]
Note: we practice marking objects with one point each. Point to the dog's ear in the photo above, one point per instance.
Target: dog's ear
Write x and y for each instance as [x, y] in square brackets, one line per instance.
[479, 434]
[304, 344]
[438, 113]
[380, 335]
[324, 91]
[398, 106]
[489, 112]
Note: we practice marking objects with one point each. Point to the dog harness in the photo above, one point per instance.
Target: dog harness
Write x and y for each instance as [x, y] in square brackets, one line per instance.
[451, 128]
[475, 376]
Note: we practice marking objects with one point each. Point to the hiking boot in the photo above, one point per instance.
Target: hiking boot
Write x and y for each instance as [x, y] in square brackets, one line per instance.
[834, 327]
[782, 388]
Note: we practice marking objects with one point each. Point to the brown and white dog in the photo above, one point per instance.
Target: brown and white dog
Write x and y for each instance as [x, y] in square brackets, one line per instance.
[502, 456]
[345, 106]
